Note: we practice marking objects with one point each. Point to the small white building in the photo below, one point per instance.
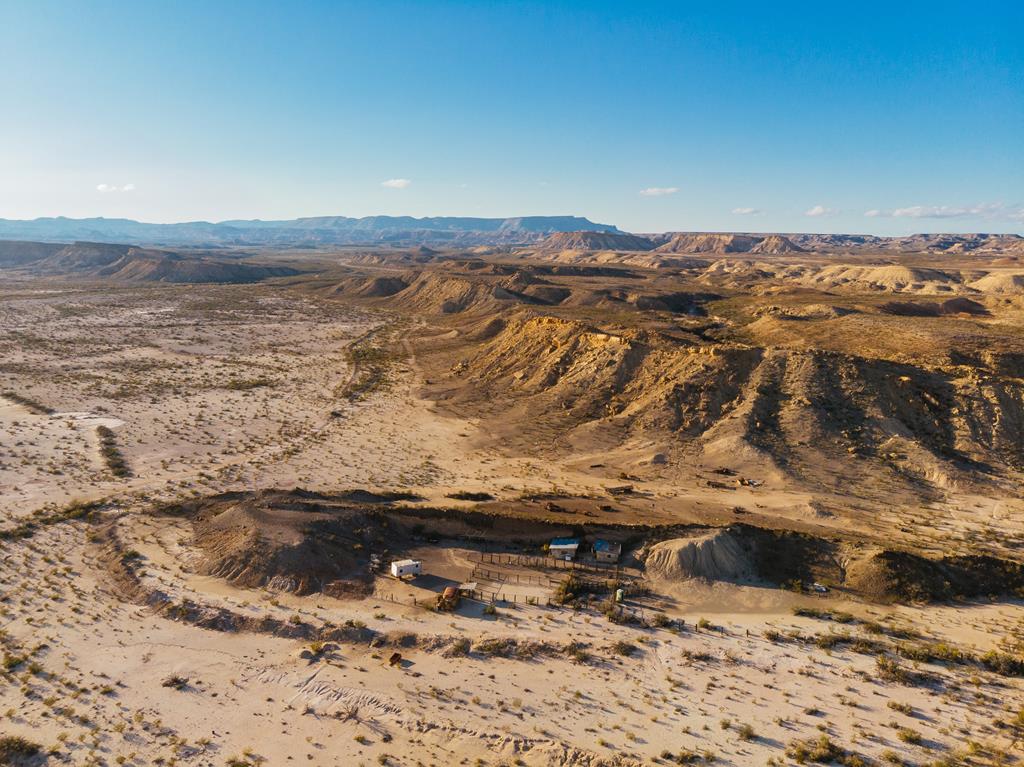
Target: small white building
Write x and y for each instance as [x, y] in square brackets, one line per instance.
[403, 567]
[564, 548]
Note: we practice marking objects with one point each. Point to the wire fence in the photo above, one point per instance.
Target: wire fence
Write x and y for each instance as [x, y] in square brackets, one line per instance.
[550, 563]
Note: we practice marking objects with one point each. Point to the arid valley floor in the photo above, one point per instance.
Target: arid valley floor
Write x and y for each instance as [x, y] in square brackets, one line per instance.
[810, 450]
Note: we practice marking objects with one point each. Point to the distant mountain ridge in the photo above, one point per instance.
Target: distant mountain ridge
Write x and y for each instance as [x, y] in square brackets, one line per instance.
[128, 263]
[320, 230]
[568, 232]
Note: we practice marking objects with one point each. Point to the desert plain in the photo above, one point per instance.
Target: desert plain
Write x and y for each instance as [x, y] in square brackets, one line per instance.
[809, 449]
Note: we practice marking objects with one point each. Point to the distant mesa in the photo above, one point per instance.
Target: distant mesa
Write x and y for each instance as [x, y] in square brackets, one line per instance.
[594, 241]
[771, 244]
[774, 244]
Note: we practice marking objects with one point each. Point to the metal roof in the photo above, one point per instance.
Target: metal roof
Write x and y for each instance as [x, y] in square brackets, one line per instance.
[565, 542]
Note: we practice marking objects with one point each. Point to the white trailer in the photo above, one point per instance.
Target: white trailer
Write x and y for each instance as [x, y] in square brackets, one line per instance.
[403, 567]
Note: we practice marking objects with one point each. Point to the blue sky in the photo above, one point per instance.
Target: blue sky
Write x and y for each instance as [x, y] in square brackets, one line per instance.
[746, 116]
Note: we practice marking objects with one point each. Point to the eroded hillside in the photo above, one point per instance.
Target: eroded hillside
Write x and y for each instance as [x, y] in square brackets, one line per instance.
[884, 392]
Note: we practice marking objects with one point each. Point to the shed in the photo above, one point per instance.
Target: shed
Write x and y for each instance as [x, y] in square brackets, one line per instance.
[607, 551]
[564, 548]
[403, 567]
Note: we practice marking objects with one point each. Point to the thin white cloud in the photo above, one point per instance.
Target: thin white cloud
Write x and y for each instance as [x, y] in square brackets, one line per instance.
[396, 183]
[988, 210]
[747, 211]
[659, 191]
[820, 210]
[942, 211]
[114, 188]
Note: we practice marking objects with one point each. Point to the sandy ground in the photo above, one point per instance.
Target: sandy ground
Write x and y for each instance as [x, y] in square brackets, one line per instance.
[236, 390]
[89, 684]
[239, 388]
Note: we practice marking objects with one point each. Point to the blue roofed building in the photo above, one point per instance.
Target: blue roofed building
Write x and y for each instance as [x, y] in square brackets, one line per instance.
[564, 548]
[607, 551]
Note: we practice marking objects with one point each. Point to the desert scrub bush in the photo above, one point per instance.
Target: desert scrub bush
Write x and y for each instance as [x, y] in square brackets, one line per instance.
[175, 681]
[458, 648]
[11, 662]
[822, 751]
[1002, 663]
[683, 757]
[466, 495]
[907, 735]
[746, 732]
[40, 518]
[111, 453]
[930, 653]
[496, 646]
[14, 747]
[236, 384]
[578, 652]
[824, 615]
[903, 708]
[829, 640]
[371, 368]
[617, 615]
[567, 591]
[27, 402]
[622, 647]
[890, 670]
